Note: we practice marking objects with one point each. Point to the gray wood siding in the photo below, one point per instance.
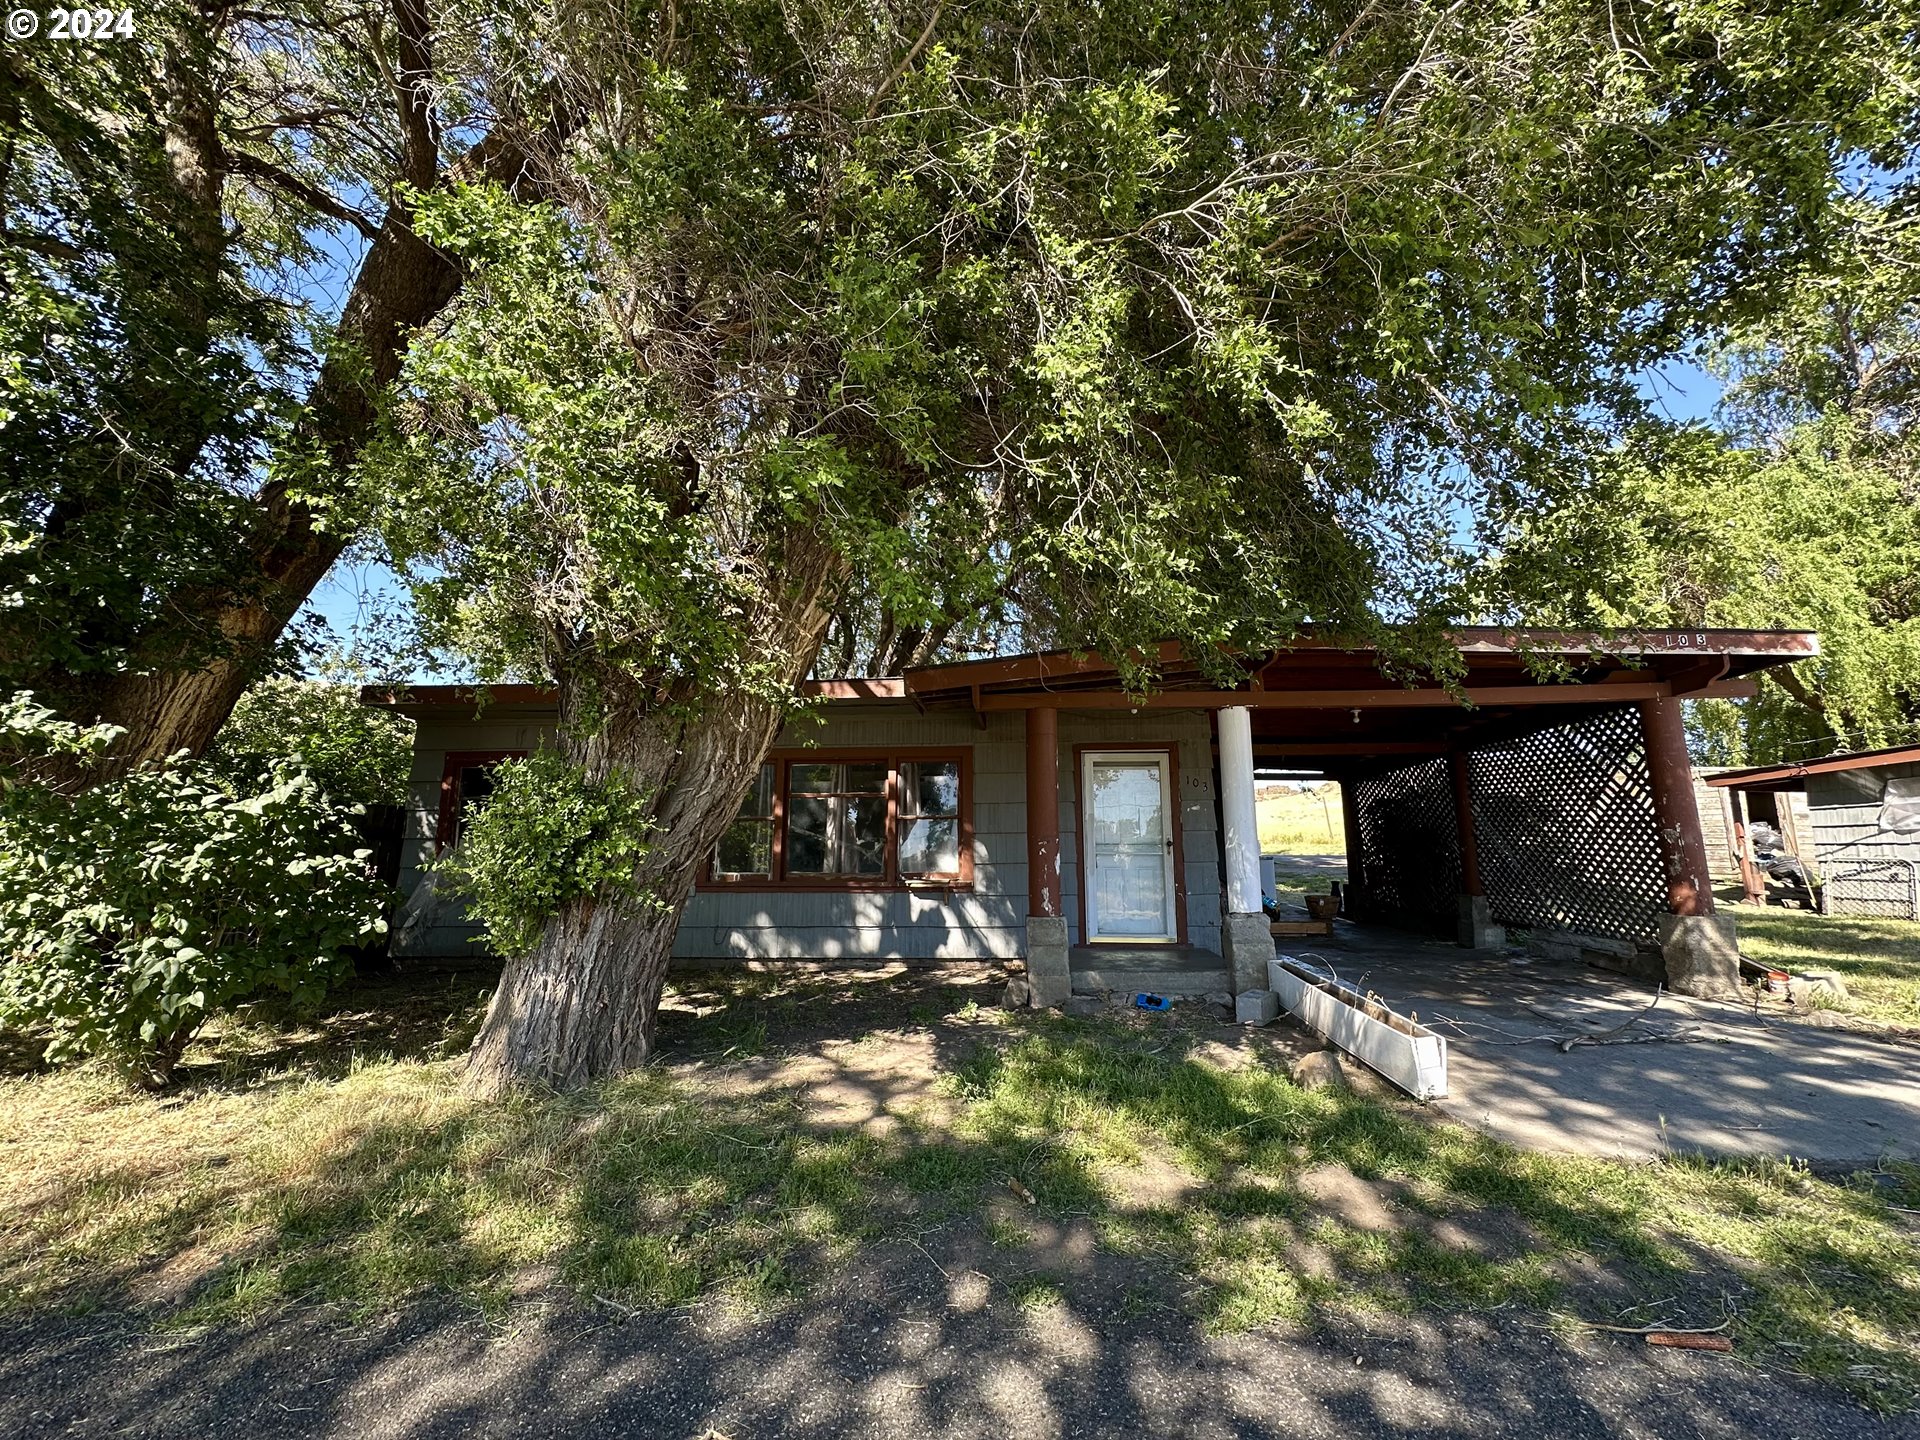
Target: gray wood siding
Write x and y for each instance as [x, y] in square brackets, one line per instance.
[1844, 807]
[1716, 824]
[446, 931]
[987, 922]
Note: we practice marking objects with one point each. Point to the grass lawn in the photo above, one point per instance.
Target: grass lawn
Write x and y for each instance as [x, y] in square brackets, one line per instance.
[1302, 822]
[798, 1119]
[1879, 959]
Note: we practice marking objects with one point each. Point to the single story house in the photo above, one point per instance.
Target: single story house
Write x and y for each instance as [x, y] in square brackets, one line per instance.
[1026, 806]
[1863, 812]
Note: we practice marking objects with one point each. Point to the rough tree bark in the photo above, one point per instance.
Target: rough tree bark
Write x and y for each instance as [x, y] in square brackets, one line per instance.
[582, 1006]
[402, 284]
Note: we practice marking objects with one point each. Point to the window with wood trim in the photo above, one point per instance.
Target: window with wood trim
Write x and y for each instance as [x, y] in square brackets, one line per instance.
[465, 780]
[860, 820]
[746, 850]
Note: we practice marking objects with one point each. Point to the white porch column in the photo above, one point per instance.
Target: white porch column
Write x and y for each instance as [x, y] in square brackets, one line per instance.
[1237, 811]
[1244, 935]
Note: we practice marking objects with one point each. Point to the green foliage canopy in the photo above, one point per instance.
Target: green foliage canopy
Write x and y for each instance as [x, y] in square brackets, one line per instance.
[1125, 322]
[154, 343]
[209, 275]
[356, 754]
[1799, 509]
[1688, 531]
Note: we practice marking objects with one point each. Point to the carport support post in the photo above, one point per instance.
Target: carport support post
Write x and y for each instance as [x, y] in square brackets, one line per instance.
[1244, 933]
[1700, 948]
[1476, 928]
[1353, 905]
[1048, 973]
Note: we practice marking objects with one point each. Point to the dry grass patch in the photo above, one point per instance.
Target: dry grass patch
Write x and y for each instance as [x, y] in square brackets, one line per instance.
[1879, 959]
[332, 1169]
[1302, 822]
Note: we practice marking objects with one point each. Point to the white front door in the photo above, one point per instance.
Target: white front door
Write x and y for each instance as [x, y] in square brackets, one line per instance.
[1127, 848]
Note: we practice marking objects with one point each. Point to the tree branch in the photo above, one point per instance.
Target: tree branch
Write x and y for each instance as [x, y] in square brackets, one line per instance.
[412, 82]
[242, 163]
[911, 56]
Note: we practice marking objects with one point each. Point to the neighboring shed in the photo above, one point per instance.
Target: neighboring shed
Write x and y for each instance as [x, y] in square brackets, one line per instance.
[1863, 811]
[1716, 823]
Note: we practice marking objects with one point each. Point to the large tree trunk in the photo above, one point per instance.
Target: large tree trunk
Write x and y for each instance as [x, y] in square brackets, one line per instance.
[582, 1005]
[403, 284]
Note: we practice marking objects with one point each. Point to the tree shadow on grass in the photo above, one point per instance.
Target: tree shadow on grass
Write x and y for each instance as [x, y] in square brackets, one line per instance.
[1453, 1218]
[22, 1054]
[382, 1183]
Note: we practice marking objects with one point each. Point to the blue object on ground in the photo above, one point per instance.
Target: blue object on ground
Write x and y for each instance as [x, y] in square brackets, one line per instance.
[1152, 1002]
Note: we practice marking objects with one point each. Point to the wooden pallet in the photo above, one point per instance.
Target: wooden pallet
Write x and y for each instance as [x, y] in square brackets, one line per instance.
[1300, 927]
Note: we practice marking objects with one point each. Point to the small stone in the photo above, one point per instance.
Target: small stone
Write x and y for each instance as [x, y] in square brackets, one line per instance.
[1085, 1006]
[1320, 1070]
[1018, 994]
[1831, 979]
[1218, 997]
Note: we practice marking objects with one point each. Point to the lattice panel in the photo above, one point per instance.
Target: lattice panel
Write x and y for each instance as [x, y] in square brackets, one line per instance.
[1409, 870]
[1566, 829]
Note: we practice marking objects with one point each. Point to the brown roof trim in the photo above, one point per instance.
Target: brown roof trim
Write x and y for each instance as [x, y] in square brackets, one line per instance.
[1774, 646]
[1423, 697]
[440, 697]
[963, 679]
[1826, 765]
[857, 687]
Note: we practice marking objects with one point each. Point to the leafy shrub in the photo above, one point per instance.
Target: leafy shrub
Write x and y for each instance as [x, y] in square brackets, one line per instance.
[30, 732]
[133, 911]
[546, 835]
[357, 754]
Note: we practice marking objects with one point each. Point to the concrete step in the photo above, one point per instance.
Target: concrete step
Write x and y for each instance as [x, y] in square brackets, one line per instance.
[1092, 981]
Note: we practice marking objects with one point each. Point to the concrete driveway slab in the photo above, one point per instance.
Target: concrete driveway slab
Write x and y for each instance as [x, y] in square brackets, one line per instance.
[1740, 1083]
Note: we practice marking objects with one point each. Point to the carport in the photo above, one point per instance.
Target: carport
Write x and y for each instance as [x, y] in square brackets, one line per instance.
[1546, 788]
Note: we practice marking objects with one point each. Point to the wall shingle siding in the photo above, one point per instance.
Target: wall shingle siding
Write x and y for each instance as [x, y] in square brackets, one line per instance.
[1844, 807]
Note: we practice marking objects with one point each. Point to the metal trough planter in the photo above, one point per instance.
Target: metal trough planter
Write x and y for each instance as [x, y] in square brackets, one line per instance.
[1406, 1052]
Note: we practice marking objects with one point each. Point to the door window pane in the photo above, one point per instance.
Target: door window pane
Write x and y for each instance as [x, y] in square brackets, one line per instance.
[1126, 803]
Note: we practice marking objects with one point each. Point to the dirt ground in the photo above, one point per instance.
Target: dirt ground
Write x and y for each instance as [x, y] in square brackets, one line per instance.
[999, 1318]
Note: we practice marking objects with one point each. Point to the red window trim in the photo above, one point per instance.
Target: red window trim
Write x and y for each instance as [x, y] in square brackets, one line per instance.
[1158, 747]
[891, 756]
[447, 830]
